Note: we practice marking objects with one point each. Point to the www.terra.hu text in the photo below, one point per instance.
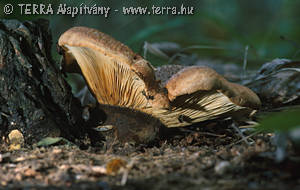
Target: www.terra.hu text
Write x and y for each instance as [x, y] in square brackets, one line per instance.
[83, 9]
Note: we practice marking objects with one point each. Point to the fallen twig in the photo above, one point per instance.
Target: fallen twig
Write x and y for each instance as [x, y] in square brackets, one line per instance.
[244, 138]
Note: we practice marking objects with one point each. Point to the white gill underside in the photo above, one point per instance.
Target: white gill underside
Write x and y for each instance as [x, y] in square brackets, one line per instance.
[111, 82]
[189, 109]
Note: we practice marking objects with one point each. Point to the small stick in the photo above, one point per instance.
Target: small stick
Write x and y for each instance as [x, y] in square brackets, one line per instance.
[4, 114]
[245, 60]
[126, 172]
[245, 138]
[233, 125]
[203, 133]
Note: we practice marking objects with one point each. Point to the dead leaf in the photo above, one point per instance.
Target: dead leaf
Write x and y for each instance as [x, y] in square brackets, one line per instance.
[114, 166]
[30, 173]
[48, 141]
[161, 49]
[277, 83]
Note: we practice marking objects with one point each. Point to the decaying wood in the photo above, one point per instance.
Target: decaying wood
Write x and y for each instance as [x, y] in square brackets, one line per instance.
[34, 96]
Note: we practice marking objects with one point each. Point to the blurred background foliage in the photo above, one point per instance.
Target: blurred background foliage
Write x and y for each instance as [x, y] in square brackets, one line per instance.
[270, 28]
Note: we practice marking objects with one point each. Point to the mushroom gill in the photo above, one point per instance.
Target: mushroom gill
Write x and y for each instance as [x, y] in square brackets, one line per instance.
[199, 93]
[113, 72]
[119, 77]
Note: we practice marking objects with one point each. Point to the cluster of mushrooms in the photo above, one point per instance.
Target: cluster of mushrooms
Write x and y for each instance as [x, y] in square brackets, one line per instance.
[117, 76]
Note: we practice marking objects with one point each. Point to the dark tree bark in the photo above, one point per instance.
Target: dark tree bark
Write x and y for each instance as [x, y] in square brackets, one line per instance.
[34, 96]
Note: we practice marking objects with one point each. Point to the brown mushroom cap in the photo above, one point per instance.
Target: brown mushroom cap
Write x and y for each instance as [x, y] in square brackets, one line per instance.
[96, 40]
[108, 46]
[197, 78]
[199, 93]
[114, 73]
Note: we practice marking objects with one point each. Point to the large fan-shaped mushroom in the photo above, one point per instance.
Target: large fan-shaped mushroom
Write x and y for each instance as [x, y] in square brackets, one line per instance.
[114, 73]
[117, 76]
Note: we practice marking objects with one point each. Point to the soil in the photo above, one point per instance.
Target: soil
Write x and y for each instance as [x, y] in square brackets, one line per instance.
[214, 157]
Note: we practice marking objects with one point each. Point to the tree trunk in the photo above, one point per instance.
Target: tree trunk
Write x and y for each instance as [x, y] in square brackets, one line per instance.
[34, 96]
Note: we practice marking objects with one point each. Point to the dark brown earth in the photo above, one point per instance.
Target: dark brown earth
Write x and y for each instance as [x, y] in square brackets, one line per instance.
[192, 159]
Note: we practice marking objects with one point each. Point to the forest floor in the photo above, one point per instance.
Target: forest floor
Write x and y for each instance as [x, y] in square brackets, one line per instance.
[192, 159]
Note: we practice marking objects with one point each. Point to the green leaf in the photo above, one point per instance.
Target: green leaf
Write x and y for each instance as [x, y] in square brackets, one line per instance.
[48, 141]
[281, 121]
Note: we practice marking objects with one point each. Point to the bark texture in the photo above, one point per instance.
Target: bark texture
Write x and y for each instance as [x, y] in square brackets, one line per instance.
[34, 96]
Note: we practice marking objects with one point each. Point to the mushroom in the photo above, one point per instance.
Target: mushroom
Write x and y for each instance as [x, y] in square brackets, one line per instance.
[118, 77]
[113, 72]
[199, 93]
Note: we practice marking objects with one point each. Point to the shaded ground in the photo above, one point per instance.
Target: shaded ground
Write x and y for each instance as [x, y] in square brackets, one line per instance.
[194, 159]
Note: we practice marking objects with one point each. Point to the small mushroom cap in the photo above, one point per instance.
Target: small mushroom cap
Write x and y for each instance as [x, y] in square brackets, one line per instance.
[197, 78]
